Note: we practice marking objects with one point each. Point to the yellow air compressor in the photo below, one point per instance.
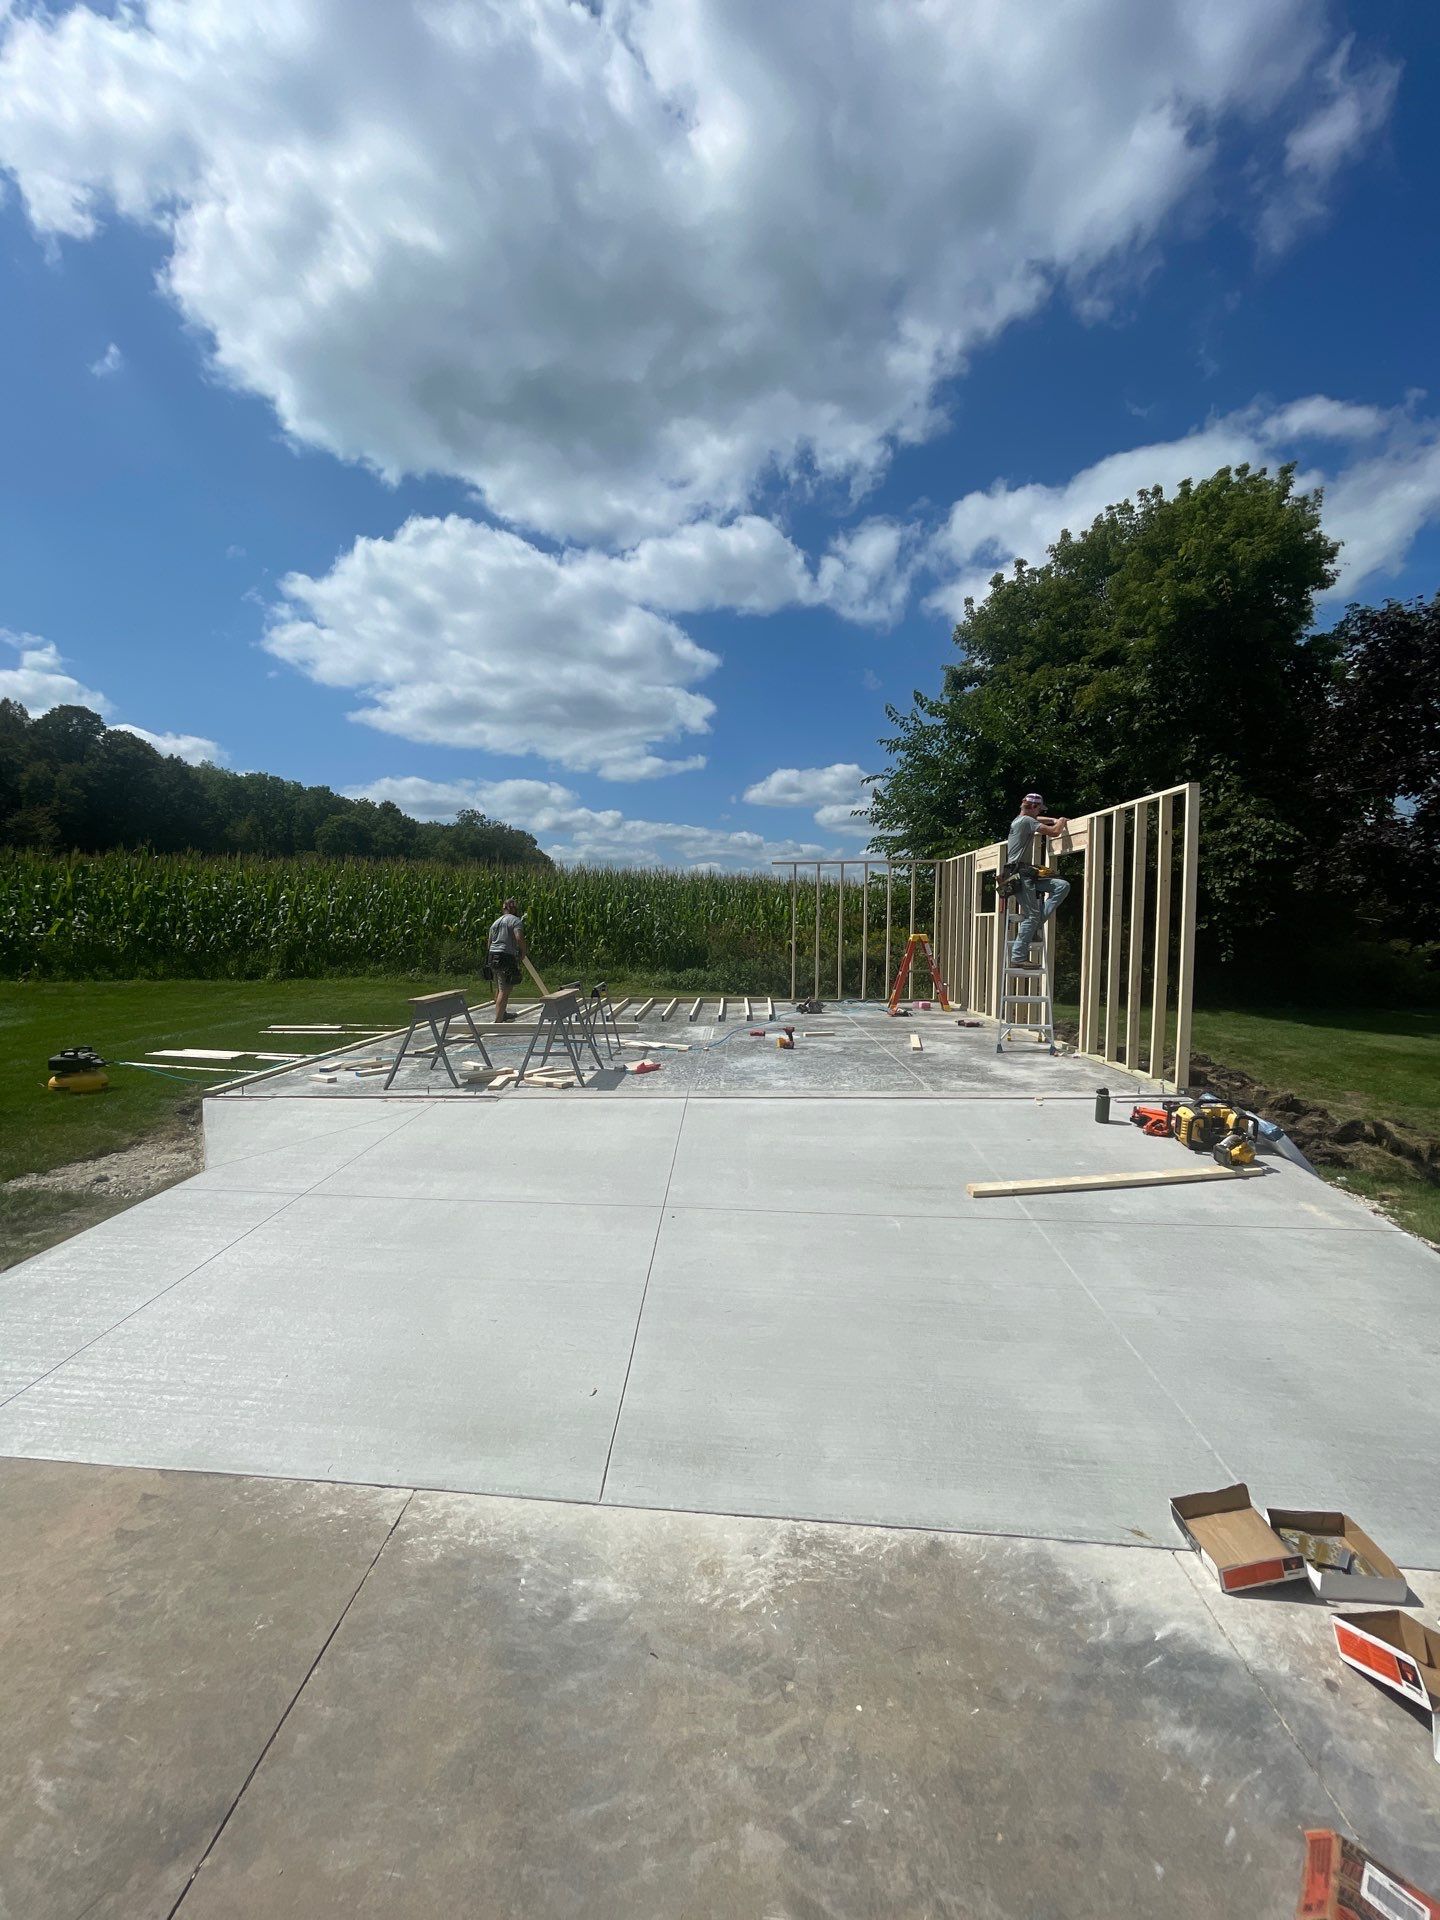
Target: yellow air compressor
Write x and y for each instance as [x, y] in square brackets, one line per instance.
[77, 1070]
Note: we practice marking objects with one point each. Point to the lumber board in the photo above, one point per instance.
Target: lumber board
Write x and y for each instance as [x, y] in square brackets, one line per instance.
[619, 1006]
[917, 1045]
[529, 967]
[1100, 1182]
[769, 1006]
[641, 1011]
[749, 1012]
[669, 1007]
[664, 1046]
[695, 1010]
[724, 1003]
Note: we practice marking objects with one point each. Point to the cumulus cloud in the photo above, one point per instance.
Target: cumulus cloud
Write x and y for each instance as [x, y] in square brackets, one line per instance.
[836, 793]
[111, 361]
[616, 265]
[194, 747]
[41, 681]
[588, 836]
[1383, 487]
[463, 634]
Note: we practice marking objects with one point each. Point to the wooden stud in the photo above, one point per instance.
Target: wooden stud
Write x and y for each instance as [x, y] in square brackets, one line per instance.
[1185, 973]
[749, 1012]
[724, 1003]
[1101, 1182]
[794, 923]
[840, 939]
[916, 1044]
[912, 899]
[1140, 837]
[529, 968]
[640, 1012]
[1160, 984]
[864, 922]
[669, 1007]
[1113, 932]
[1094, 883]
[889, 901]
[620, 1005]
[769, 1006]
[817, 930]
[695, 1010]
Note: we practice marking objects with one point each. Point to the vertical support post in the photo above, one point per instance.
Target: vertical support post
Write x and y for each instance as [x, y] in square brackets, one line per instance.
[840, 940]
[889, 902]
[1185, 973]
[817, 929]
[1160, 986]
[864, 924]
[912, 896]
[999, 959]
[1090, 936]
[935, 927]
[1112, 946]
[794, 921]
[1140, 840]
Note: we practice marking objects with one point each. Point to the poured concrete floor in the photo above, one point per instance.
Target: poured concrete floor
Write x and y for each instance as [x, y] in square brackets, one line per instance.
[229, 1698]
[755, 1306]
[852, 1048]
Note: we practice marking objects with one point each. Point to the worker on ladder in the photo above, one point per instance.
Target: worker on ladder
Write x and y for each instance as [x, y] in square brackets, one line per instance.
[1038, 895]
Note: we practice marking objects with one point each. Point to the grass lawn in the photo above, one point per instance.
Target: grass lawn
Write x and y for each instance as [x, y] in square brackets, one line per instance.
[1364, 1063]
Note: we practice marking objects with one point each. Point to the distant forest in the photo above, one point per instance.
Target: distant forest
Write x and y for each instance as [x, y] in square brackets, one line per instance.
[69, 783]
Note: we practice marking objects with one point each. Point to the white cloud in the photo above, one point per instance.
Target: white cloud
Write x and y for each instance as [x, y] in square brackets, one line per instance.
[193, 747]
[41, 682]
[589, 836]
[1355, 102]
[618, 265]
[836, 793]
[1375, 502]
[464, 634]
[111, 361]
[467, 635]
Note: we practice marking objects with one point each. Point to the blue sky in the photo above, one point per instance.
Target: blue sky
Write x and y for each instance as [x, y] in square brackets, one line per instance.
[598, 415]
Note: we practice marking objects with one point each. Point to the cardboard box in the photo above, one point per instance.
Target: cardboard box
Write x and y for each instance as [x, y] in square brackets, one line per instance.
[1233, 1540]
[1342, 1882]
[1383, 1585]
[1396, 1650]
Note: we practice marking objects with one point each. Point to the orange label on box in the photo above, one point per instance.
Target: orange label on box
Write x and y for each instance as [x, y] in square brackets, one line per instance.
[1382, 1661]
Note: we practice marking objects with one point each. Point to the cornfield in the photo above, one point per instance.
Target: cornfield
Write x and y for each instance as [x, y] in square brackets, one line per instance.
[150, 916]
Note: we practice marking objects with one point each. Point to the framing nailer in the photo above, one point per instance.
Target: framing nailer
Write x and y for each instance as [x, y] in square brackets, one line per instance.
[1205, 1125]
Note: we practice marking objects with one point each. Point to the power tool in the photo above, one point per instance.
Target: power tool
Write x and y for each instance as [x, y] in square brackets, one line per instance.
[77, 1070]
[1209, 1126]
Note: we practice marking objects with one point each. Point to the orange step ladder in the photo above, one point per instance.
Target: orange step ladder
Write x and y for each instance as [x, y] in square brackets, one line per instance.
[918, 943]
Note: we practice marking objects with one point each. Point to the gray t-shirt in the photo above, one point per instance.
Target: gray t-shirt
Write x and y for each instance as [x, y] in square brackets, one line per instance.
[505, 933]
[1018, 848]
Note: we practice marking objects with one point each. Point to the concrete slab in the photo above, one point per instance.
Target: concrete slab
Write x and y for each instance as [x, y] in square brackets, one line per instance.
[156, 1629]
[536, 1149]
[240, 1129]
[454, 1345]
[550, 1712]
[56, 1303]
[295, 1166]
[1311, 1377]
[870, 1368]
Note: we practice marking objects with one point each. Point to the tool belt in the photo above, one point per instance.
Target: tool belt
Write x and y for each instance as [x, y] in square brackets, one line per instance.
[1015, 874]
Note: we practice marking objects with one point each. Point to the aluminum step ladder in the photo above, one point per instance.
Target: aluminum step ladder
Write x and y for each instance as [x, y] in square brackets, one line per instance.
[1025, 989]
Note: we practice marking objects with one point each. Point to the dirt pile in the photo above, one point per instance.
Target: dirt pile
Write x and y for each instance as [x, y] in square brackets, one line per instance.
[1322, 1138]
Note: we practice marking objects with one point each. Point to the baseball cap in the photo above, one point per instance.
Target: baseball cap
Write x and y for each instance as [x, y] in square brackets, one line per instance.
[1033, 800]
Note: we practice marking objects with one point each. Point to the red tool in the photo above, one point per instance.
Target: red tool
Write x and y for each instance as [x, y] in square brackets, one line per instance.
[1152, 1120]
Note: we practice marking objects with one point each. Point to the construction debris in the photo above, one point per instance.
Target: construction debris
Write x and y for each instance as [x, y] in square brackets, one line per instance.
[1342, 1562]
[643, 1066]
[1342, 1882]
[1400, 1653]
[917, 1045]
[1234, 1543]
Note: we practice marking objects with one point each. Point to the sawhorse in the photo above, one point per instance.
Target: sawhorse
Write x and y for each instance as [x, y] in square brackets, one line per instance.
[562, 1019]
[426, 1010]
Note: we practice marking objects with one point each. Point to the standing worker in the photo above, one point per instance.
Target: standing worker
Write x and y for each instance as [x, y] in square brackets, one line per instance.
[505, 950]
[1039, 894]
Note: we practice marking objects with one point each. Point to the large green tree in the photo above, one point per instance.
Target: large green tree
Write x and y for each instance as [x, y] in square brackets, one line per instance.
[1166, 642]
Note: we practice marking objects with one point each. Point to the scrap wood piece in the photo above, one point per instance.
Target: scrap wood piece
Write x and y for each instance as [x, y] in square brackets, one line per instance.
[917, 1045]
[1095, 1182]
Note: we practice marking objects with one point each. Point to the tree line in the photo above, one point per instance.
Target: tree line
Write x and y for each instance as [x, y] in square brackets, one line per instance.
[1174, 639]
[69, 783]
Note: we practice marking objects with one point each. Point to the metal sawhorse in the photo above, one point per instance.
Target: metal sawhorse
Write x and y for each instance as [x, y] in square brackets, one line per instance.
[426, 1010]
[562, 1018]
